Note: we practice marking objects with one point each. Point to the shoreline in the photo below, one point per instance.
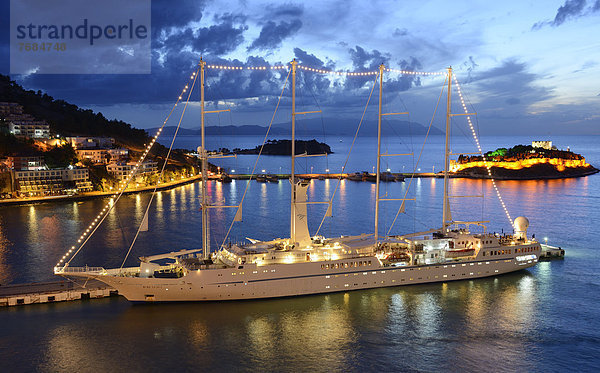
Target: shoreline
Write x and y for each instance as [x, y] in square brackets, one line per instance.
[97, 194]
[174, 184]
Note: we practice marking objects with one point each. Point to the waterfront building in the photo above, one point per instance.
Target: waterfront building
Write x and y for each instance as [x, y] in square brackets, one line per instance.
[51, 181]
[121, 170]
[24, 127]
[102, 156]
[24, 163]
[543, 144]
[83, 142]
[7, 108]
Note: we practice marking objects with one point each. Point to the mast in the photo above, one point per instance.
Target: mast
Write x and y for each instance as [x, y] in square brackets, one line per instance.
[381, 68]
[446, 204]
[204, 161]
[292, 175]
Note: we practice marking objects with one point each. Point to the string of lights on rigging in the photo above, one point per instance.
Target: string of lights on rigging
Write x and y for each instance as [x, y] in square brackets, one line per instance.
[485, 162]
[112, 201]
[323, 71]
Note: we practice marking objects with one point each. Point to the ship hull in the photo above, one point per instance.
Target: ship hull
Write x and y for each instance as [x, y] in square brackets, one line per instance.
[302, 279]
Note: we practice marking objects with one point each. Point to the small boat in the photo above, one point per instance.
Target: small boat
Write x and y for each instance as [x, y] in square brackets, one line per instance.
[357, 176]
[262, 178]
[369, 177]
[387, 176]
[224, 178]
[272, 178]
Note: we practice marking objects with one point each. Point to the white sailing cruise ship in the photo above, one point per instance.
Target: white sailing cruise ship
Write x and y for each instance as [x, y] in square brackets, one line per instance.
[305, 264]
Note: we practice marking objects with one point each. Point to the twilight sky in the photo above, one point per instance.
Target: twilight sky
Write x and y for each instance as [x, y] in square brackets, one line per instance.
[528, 67]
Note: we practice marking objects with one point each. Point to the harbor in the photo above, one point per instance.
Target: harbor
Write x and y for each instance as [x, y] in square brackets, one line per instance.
[299, 186]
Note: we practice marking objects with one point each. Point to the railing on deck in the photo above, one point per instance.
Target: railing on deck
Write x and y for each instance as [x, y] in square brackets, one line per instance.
[78, 269]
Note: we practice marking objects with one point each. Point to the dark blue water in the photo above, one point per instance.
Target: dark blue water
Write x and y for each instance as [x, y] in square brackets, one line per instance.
[542, 319]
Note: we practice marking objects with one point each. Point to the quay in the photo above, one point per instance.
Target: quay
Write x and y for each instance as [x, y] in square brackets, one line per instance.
[51, 292]
[337, 176]
[97, 194]
[176, 183]
[551, 252]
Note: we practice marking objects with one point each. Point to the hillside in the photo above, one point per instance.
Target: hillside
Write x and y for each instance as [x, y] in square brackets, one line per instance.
[524, 162]
[284, 147]
[67, 119]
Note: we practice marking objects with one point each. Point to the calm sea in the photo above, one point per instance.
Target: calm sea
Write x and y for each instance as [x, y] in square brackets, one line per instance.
[542, 319]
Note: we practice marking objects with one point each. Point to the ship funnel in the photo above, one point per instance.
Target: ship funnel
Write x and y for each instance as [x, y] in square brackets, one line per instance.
[521, 224]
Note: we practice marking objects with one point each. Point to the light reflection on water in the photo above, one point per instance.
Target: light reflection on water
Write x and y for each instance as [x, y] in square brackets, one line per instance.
[512, 321]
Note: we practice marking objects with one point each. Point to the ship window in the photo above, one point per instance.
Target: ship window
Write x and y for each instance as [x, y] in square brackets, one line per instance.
[369, 262]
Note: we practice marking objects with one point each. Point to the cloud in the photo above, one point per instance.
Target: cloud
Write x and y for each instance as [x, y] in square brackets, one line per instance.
[272, 34]
[511, 84]
[284, 10]
[312, 81]
[398, 32]
[569, 10]
[470, 66]
[165, 14]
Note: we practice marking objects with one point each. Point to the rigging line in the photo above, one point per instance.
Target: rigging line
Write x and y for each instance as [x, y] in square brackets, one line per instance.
[420, 153]
[312, 92]
[349, 152]
[161, 172]
[111, 206]
[259, 152]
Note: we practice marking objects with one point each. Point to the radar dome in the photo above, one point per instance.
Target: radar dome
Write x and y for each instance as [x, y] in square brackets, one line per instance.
[521, 224]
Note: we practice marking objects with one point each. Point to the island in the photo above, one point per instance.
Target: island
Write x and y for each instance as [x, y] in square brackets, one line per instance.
[540, 160]
[284, 147]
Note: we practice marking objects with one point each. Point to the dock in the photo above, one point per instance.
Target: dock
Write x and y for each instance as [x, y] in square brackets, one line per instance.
[51, 292]
[338, 175]
[551, 252]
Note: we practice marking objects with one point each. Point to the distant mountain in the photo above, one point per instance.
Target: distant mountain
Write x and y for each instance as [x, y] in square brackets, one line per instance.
[220, 130]
[311, 127]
